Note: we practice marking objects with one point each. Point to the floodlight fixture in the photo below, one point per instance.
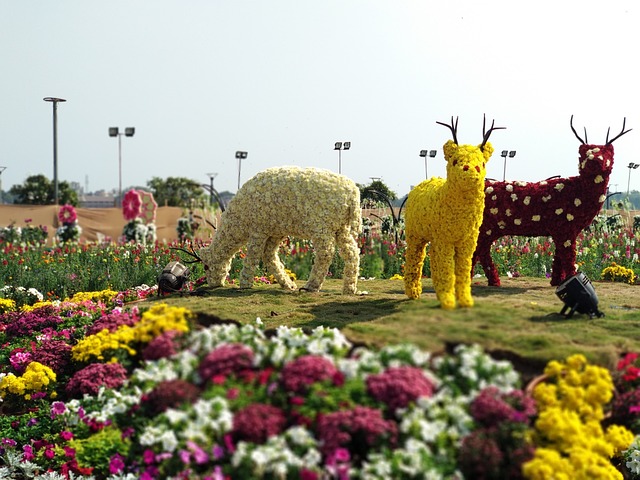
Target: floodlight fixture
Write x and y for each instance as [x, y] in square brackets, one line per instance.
[505, 154]
[578, 295]
[341, 146]
[425, 154]
[115, 132]
[240, 155]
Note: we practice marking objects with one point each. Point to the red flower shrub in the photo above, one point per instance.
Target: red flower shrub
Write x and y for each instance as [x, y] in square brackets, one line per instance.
[170, 394]
[92, 377]
[492, 407]
[21, 324]
[55, 354]
[257, 422]
[297, 375]
[398, 387]
[225, 360]
[357, 430]
[162, 346]
[112, 321]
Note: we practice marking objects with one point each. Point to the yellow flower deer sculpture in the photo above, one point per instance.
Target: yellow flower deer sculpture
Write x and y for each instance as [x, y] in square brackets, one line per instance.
[448, 213]
[305, 203]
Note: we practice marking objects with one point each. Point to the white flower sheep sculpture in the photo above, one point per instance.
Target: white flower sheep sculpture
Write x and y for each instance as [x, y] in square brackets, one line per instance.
[306, 203]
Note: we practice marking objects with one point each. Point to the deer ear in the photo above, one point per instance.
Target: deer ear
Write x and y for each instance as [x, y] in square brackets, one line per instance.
[487, 151]
[450, 149]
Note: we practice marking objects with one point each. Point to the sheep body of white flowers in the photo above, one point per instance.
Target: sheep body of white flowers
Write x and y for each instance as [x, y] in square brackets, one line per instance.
[306, 203]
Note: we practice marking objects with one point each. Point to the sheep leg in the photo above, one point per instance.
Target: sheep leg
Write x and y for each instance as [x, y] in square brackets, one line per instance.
[255, 247]
[323, 249]
[350, 253]
[462, 267]
[443, 274]
[217, 258]
[414, 260]
[274, 265]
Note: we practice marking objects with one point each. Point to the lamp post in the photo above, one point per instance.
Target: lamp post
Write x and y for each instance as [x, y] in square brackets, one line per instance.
[211, 176]
[504, 154]
[425, 154]
[2, 169]
[631, 166]
[115, 132]
[341, 146]
[240, 156]
[55, 101]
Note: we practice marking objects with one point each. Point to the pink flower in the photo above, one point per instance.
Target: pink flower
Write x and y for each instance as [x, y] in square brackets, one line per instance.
[116, 464]
[131, 205]
[67, 214]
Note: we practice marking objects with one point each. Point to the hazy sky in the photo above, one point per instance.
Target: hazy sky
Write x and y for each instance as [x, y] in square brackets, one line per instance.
[285, 79]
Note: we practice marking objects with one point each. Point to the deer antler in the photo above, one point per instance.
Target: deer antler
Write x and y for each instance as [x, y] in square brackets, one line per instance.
[485, 134]
[191, 252]
[576, 133]
[622, 132]
[453, 127]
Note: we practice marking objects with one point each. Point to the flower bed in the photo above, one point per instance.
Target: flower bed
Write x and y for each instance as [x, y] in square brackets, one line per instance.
[98, 391]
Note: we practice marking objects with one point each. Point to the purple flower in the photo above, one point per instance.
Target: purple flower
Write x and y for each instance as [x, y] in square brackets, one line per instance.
[170, 394]
[112, 321]
[225, 360]
[357, 430]
[92, 377]
[299, 374]
[55, 354]
[257, 422]
[492, 407]
[162, 346]
[398, 387]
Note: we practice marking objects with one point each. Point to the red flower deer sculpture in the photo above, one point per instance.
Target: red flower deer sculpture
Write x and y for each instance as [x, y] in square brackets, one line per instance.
[559, 208]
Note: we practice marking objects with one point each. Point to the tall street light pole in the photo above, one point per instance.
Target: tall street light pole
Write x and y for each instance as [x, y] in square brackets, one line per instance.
[240, 156]
[504, 154]
[115, 132]
[631, 166]
[2, 169]
[55, 101]
[211, 176]
[341, 146]
[425, 154]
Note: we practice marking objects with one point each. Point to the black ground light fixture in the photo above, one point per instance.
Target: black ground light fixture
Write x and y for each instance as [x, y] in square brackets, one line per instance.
[578, 295]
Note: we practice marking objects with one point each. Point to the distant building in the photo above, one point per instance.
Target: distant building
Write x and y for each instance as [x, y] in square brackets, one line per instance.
[97, 201]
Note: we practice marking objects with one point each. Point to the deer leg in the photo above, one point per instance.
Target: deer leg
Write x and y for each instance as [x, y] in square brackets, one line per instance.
[255, 247]
[483, 255]
[462, 267]
[564, 261]
[273, 264]
[323, 249]
[350, 253]
[414, 260]
[443, 274]
[217, 258]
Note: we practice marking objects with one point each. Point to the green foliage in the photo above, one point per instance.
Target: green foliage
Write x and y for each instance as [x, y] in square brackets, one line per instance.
[39, 190]
[376, 194]
[177, 192]
[96, 450]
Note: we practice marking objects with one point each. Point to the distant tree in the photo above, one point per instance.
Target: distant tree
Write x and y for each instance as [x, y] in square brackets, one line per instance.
[39, 190]
[371, 194]
[177, 192]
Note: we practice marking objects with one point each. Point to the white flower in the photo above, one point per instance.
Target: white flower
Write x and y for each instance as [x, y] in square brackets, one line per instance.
[493, 211]
[559, 186]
